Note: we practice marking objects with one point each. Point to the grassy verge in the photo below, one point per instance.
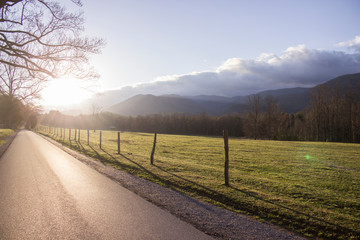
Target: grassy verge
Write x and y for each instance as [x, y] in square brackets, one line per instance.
[310, 188]
[3, 134]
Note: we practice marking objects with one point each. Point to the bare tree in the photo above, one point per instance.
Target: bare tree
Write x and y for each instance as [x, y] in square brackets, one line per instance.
[254, 115]
[320, 111]
[95, 111]
[15, 82]
[272, 115]
[40, 40]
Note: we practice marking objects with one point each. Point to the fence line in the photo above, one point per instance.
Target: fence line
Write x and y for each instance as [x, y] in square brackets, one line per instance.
[53, 132]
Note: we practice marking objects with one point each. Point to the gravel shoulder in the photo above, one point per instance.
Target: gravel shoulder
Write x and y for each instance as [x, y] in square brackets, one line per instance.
[214, 221]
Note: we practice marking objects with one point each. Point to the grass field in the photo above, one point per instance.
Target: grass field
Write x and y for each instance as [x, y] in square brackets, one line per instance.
[3, 134]
[311, 188]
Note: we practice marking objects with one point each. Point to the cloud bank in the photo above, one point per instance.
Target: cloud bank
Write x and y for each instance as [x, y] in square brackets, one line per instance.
[352, 44]
[295, 67]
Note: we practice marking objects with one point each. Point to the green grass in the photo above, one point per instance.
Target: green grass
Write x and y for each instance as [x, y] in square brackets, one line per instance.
[311, 188]
[3, 134]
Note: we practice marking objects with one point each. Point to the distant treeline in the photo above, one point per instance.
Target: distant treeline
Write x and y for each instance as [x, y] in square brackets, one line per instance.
[331, 116]
[161, 123]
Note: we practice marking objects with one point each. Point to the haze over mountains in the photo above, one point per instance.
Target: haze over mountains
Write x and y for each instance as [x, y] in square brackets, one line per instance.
[291, 100]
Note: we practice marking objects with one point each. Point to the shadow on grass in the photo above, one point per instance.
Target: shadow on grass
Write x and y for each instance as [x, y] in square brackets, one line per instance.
[285, 220]
[236, 204]
[116, 162]
[295, 211]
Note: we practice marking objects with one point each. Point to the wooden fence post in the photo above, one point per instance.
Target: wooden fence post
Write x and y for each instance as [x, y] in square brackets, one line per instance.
[100, 138]
[118, 141]
[75, 134]
[226, 146]
[79, 135]
[88, 136]
[69, 134]
[153, 150]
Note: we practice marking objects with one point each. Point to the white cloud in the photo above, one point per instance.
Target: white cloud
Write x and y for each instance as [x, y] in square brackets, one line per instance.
[297, 66]
[353, 44]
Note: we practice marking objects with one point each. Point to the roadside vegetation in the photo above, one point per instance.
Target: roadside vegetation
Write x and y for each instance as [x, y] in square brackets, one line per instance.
[311, 188]
[3, 134]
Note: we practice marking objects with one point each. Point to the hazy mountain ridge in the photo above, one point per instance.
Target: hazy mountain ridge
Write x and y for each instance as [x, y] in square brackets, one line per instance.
[291, 100]
[127, 102]
[149, 104]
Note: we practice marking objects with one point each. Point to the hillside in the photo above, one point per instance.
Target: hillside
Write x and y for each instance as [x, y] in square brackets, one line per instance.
[126, 102]
[149, 104]
[344, 84]
[291, 100]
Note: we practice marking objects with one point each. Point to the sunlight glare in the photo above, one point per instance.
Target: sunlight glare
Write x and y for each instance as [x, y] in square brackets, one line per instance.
[64, 92]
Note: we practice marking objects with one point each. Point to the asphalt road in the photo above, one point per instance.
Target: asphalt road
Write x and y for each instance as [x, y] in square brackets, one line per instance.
[47, 194]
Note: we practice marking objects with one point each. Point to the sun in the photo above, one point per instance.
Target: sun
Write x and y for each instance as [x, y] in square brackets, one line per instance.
[60, 92]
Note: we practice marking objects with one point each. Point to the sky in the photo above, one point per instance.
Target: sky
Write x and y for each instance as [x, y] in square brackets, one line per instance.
[221, 47]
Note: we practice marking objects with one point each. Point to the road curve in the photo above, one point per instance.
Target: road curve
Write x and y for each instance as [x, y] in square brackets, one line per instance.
[47, 194]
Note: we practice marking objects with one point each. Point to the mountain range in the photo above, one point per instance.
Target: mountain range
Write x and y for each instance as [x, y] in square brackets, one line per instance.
[291, 100]
[127, 103]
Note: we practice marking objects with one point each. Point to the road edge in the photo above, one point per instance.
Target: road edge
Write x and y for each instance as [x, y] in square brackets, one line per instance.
[8, 140]
[212, 220]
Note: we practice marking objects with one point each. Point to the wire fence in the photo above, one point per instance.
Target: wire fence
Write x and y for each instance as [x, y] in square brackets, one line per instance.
[125, 143]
